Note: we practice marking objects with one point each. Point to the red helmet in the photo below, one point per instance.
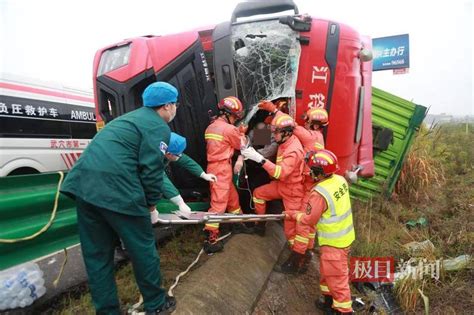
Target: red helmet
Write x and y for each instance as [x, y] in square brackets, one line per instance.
[231, 105]
[282, 122]
[322, 162]
[317, 116]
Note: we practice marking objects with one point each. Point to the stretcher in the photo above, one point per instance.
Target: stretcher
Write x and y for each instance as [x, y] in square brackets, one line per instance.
[199, 217]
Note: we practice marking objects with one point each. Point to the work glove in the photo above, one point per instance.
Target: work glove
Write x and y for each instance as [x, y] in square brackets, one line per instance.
[183, 207]
[251, 154]
[208, 177]
[267, 106]
[154, 216]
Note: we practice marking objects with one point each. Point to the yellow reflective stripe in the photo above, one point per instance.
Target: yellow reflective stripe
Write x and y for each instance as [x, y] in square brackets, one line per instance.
[338, 218]
[312, 235]
[324, 156]
[318, 145]
[301, 239]
[213, 136]
[236, 105]
[236, 211]
[279, 119]
[323, 288]
[327, 195]
[279, 159]
[212, 226]
[277, 173]
[338, 304]
[256, 200]
[298, 217]
[291, 241]
[335, 235]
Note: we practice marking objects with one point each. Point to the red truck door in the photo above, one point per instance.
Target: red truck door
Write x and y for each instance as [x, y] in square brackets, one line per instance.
[124, 70]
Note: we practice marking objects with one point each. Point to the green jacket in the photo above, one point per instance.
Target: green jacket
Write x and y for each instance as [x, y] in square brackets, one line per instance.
[169, 190]
[122, 168]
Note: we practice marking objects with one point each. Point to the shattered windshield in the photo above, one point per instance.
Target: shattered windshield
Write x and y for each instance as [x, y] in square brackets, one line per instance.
[266, 58]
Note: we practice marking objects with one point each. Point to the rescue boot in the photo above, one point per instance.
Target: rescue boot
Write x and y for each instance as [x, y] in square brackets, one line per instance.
[167, 308]
[211, 244]
[308, 255]
[241, 228]
[292, 265]
[260, 229]
[358, 305]
[324, 303]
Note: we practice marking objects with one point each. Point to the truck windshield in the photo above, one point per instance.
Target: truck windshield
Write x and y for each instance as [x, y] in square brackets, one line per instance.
[266, 58]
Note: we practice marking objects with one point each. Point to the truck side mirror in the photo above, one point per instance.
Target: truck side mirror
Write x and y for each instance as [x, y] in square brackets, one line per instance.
[365, 55]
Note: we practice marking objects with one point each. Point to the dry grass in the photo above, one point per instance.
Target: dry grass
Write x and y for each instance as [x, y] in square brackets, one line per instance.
[421, 172]
[407, 293]
[437, 183]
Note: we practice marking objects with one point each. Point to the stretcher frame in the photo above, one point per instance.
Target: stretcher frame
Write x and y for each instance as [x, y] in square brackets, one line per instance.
[208, 217]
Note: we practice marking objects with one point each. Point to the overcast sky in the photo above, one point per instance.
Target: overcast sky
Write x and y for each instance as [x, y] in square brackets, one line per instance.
[56, 40]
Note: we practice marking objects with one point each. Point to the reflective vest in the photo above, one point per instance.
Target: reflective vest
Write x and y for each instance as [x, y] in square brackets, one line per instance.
[335, 228]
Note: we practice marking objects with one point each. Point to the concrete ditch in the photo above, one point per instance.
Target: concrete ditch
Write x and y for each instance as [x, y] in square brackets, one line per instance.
[230, 282]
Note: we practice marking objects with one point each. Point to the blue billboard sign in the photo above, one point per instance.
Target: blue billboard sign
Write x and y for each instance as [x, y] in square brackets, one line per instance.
[391, 52]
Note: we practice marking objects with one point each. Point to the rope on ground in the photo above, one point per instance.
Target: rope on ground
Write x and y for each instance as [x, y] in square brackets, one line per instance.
[56, 281]
[46, 227]
[182, 274]
[133, 309]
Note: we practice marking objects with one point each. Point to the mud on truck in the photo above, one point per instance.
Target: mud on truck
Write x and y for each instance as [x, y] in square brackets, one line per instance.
[310, 62]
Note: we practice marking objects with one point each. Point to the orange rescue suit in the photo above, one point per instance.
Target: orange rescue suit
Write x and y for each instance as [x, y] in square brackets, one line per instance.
[222, 140]
[311, 140]
[287, 184]
[334, 268]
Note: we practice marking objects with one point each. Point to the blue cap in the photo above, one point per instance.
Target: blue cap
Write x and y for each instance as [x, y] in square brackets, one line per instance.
[158, 94]
[177, 144]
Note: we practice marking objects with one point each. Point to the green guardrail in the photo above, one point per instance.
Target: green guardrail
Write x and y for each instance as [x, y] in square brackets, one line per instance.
[403, 118]
[26, 204]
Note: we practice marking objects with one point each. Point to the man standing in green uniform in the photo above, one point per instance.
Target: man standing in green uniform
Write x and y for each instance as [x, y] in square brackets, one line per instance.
[116, 184]
[174, 154]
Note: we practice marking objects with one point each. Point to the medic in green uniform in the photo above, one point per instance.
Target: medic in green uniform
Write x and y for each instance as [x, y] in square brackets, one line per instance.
[116, 184]
[175, 155]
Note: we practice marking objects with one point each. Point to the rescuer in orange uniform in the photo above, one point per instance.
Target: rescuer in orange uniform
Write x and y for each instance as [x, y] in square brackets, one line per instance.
[222, 139]
[311, 137]
[328, 204]
[287, 173]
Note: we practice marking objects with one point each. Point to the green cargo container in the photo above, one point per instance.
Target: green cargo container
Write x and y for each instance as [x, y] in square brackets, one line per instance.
[403, 118]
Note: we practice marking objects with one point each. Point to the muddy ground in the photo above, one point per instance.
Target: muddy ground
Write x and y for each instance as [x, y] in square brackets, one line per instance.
[289, 294]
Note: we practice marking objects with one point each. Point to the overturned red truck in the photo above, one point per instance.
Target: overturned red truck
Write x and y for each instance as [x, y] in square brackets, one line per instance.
[309, 61]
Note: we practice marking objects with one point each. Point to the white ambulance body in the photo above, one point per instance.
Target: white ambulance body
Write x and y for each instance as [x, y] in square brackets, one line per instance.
[44, 127]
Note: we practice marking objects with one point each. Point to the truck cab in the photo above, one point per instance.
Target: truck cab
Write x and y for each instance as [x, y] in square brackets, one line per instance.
[309, 61]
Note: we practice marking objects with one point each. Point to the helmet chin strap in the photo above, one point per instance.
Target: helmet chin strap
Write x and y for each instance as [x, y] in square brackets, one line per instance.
[226, 115]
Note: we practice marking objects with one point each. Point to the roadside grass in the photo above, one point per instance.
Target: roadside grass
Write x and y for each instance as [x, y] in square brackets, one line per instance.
[176, 253]
[436, 183]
